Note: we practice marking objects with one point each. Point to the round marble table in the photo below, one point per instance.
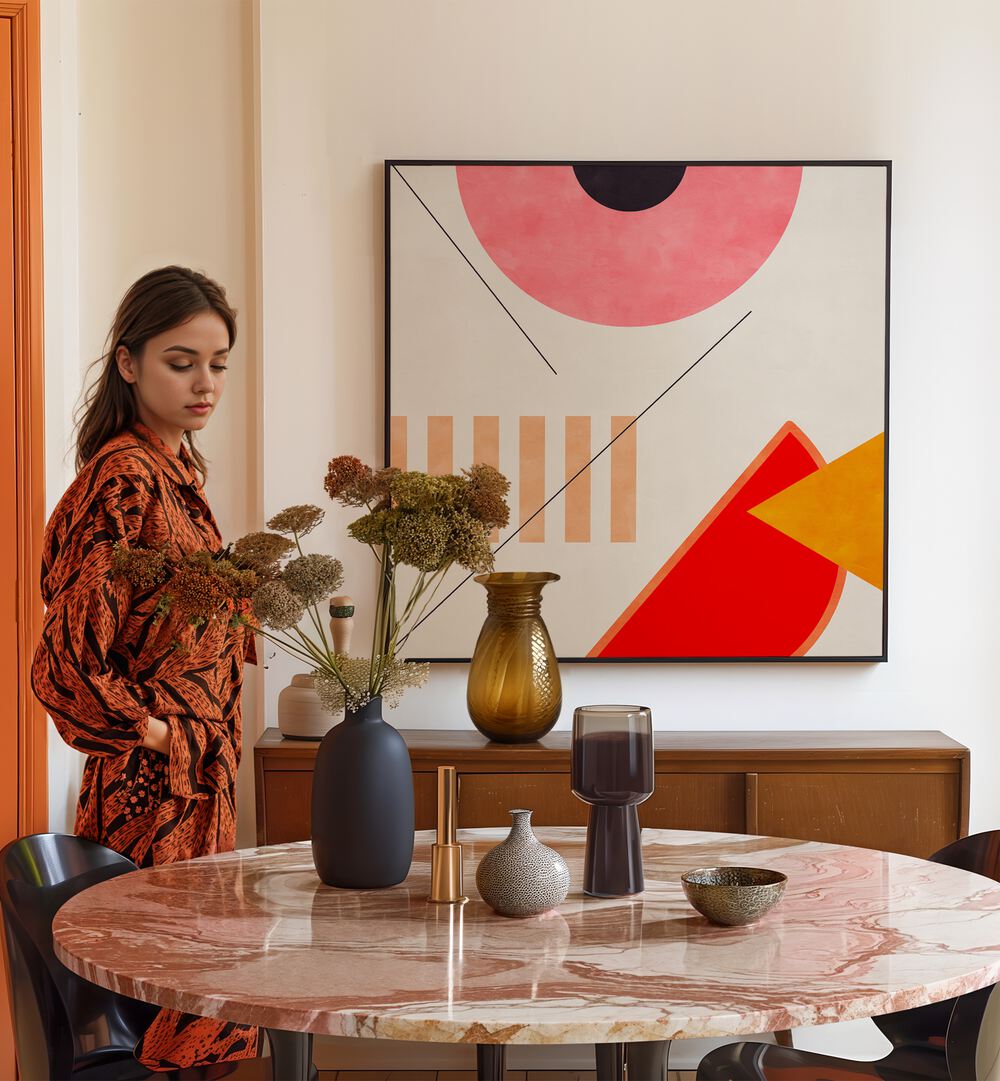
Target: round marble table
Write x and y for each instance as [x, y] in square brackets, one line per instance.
[253, 936]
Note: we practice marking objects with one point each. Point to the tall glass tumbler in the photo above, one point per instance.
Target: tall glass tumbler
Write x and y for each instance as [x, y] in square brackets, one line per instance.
[613, 772]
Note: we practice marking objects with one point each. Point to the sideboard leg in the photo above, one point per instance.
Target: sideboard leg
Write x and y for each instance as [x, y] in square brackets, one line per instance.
[491, 1058]
[610, 1061]
[647, 1061]
[291, 1055]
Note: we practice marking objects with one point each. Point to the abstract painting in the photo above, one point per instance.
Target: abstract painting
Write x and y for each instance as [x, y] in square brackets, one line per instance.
[682, 368]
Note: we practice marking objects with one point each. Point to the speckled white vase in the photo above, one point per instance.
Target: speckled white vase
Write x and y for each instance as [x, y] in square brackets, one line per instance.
[521, 876]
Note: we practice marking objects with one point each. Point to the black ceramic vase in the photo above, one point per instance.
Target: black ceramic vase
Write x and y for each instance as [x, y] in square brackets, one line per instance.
[362, 803]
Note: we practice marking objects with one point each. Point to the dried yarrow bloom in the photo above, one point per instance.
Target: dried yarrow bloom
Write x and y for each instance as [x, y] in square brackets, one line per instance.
[145, 568]
[349, 481]
[420, 540]
[313, 577]
[355, 672]
[485, 495]
[399, 675]
[277, 607]
[373, 528]
[329, 691]
[300, 519]
[261, 551]
[382, 481]
[240, 581]
[469, 543]
[421, 491]
[355, 676]
[195, 591]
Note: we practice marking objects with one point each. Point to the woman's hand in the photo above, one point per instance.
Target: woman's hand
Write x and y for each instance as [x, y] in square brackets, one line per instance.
[157, 736]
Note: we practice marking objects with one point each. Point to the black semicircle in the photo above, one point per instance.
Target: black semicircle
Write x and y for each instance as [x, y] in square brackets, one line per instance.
[629, 187]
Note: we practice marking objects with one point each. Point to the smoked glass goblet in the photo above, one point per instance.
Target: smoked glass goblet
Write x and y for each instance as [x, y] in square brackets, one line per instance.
[613, 772]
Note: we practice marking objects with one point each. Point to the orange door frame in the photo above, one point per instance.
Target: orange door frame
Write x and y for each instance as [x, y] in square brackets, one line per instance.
[23, 394]
[29, 402]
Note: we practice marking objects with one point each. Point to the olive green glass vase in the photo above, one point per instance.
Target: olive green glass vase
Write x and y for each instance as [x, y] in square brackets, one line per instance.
[514, 693]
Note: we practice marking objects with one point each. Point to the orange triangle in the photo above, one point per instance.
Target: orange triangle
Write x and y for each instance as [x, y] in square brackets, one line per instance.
[838, 511]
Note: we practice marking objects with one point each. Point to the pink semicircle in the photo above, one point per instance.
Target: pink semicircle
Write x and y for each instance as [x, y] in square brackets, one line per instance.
[629, 268]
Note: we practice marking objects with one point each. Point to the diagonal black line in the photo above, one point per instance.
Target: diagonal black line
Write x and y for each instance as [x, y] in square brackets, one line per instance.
[634, 420]
[474, 271]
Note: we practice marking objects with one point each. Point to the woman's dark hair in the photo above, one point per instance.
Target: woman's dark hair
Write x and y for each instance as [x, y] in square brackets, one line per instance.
[158, 301]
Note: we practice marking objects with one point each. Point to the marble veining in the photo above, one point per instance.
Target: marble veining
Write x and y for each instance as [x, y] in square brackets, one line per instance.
[254, 936]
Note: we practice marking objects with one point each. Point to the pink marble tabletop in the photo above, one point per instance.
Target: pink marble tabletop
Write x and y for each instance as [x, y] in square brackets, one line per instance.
[253, 936]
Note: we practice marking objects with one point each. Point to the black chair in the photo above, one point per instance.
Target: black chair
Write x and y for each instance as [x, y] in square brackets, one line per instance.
[936, 1041]
[64, 1026]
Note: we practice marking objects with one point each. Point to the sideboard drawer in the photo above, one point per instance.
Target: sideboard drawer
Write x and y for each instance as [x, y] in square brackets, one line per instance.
[425, 800]
[286, 797]
[696, 801]
[707, 801]
[485, 798]
[915, 814]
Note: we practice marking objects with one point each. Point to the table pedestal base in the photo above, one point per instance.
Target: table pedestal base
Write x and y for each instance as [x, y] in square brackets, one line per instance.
[610, 1058]
[646, 1061]
[491, 1060]
[291, 1055]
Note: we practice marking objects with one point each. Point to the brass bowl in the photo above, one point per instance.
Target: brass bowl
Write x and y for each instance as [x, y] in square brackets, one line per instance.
[733, 896]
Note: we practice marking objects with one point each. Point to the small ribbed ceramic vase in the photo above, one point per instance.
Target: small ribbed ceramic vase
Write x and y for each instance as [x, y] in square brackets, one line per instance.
[301, 715]
[521, 876]
[514, 693]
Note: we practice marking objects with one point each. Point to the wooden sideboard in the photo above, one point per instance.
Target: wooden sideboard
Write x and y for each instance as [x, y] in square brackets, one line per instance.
[898, 791]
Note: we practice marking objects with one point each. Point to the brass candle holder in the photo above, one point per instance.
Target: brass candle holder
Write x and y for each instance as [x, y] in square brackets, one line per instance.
[446, 853]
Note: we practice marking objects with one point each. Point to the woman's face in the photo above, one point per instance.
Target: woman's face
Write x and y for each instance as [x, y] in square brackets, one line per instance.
[179, 370]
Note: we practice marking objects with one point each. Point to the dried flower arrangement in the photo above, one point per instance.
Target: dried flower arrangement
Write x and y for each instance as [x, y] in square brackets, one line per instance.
[426, 522]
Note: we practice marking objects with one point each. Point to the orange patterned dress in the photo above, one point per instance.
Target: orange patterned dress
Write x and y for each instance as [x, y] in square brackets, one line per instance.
[104, 665]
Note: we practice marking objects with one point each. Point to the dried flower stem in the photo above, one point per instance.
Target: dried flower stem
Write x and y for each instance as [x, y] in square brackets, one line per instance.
[313, 614]
[287, 644]
[416, 595]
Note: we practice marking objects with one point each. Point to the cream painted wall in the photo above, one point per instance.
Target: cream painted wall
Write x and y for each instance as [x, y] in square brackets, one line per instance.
[148, 160]
[346, 84]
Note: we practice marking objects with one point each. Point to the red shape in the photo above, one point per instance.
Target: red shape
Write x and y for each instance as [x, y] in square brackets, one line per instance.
[629, 268]
[737, 587]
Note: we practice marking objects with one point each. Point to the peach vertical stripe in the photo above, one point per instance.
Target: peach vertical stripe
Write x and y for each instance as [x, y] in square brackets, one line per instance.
[440, 441]
[397, 442]
[531, 478]
[578, 492]
[623, 477]
[486, 449]
[486, 441]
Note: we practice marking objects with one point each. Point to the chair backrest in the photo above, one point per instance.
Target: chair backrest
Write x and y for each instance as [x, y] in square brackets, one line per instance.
[973, 1038]
[931, 1024]
[979, 853]
[973, 1044]
[59, 1018]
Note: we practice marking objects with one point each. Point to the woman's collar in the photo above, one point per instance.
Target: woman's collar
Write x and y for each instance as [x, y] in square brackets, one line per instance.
[178, 466]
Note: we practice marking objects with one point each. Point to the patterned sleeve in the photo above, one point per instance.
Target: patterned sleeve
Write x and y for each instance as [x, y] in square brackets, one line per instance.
[203, 758]
[75, 673]
[204, 717]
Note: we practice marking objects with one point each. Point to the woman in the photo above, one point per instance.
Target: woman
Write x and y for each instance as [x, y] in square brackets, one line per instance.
[161, 726]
